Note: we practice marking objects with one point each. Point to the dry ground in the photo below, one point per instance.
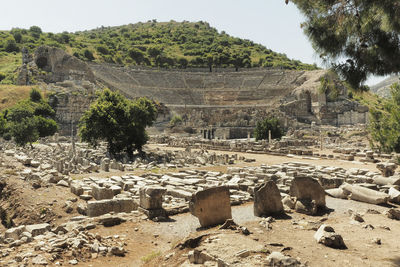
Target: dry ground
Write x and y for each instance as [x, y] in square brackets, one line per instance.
[148, 242]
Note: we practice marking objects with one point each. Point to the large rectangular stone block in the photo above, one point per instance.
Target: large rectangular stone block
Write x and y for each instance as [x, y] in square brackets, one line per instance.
[211, 206]
[100, 193]
[100, 207]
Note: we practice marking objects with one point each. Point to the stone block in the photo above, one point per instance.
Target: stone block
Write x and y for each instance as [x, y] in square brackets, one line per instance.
[76, 188]
[151, 197]
[307, 188]
[211, 206]
[267, 200]
[38, 229]
[14, 232]
[100, 193]
[100, 207]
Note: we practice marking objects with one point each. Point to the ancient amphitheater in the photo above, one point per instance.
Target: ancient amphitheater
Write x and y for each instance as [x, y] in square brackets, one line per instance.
[224, 102]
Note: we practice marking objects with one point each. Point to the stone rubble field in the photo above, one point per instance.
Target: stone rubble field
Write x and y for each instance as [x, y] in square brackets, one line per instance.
[99, 194]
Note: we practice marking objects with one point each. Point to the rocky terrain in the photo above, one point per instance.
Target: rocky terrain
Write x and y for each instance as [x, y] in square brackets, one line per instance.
[383, 88]
[203, 202]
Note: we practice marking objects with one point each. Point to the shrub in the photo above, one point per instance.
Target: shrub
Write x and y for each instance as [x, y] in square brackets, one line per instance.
[35, 95]
[266, 125]
[88, 55]
[175, 121]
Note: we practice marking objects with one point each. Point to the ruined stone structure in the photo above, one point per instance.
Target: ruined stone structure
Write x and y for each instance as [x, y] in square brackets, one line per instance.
[220, 104]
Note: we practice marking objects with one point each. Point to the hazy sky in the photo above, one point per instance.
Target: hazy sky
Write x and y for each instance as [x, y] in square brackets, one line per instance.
[269, 22]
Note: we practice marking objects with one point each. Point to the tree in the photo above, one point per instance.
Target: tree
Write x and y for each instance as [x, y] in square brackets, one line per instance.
[118, 121]
[30, 119]
[384, 125]
[35, 31]
[266, 125]
[359, 37]
[24, 131]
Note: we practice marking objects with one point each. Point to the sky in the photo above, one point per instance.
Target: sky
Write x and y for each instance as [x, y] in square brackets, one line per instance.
[269, 22]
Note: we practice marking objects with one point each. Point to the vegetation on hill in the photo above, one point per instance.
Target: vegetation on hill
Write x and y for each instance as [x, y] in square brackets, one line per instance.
[168, 44]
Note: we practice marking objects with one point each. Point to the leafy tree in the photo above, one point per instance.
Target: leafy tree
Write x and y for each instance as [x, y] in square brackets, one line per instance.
[266, 125]
[118, 121]
[364, 33]
[24, 131]
[384, 125]
[35, 31]
[30, 119]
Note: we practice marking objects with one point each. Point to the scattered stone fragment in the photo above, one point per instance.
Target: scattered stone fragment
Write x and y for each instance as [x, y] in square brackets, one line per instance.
[327, 236]
[393, 214]
[278, 259]
[387, 169]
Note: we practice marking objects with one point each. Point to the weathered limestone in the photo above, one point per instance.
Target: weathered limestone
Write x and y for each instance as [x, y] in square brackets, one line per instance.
[363, 194]
[393, 214]
[327, 236]
[267, 200]
[38, 229]
[100, 207]
[309, 194]
[387, 168]
[336, 192]
[394, 195]
[14, 233]
[211, 206]
[151, 198]
[278, 259]
[394, 180]
[100, 193]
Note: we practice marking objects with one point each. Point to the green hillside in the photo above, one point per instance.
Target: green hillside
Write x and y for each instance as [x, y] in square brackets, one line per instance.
[155, 44]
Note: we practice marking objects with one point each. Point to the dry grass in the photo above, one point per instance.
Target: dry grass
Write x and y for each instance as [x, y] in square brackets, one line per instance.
[11, 94]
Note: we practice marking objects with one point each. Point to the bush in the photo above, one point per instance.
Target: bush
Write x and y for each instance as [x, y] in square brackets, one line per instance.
[268, 124]
[88, 55]
[10, 45]
[2, 76]
[35, 95]
[175, 121]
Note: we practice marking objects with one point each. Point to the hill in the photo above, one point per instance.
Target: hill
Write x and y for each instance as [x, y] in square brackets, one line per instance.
[383, 88]
[154, 44]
